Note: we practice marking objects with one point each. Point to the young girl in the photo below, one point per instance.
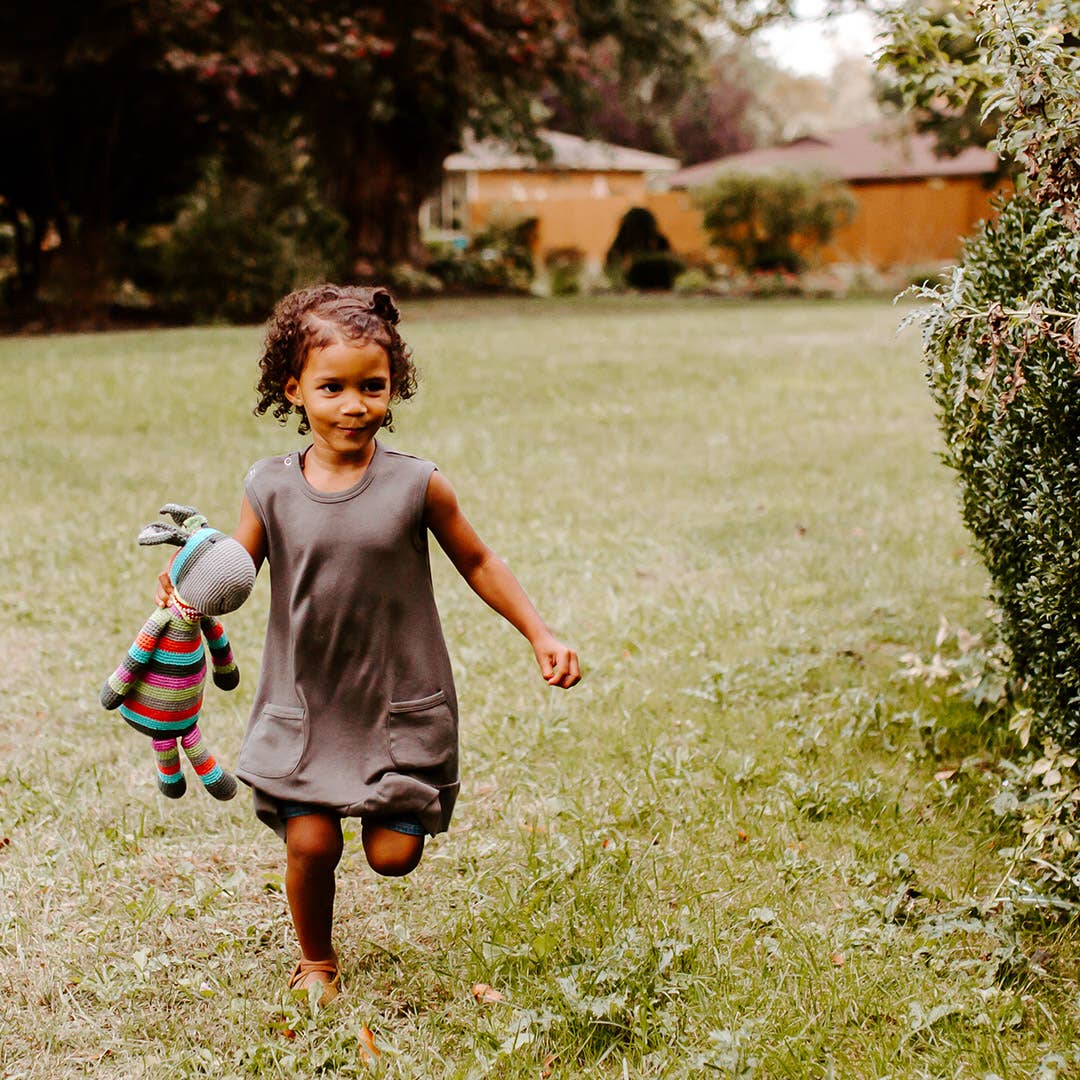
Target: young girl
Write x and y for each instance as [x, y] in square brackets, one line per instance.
[355, 713]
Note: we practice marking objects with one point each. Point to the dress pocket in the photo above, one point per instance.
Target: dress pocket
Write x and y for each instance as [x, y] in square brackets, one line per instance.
[276, 742]
[423, 735]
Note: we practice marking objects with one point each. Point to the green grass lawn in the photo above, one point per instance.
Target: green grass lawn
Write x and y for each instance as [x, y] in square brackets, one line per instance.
[724, 854]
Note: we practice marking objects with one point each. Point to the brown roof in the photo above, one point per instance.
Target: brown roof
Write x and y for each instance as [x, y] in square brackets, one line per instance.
[878, 151]
[568, 152]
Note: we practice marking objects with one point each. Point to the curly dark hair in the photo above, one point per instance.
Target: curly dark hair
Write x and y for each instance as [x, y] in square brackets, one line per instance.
[324, 315]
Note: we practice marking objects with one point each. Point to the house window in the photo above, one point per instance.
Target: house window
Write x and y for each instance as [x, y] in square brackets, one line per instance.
[449, 210]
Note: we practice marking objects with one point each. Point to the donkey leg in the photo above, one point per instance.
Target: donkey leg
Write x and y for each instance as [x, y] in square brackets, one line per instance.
[170, 776]
[220, 784]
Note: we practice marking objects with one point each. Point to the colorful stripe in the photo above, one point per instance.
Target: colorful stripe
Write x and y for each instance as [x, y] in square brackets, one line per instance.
[148, 712]
[218, 782]
[188, 550]
[175, 682]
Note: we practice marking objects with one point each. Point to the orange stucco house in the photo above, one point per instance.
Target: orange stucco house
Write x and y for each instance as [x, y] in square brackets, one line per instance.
[913, 207]
[578, 195]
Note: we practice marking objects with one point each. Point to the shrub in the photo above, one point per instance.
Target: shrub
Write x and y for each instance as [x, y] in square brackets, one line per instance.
[564, 268]
[497, 259]
[693, 282]
[767, 220]
[239, 244]
[1002, 344]
[405, 279]
[654, 271]
[638, 236]
[1009, 407]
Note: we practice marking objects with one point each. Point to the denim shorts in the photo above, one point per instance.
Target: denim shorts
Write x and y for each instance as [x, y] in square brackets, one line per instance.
[406, 823]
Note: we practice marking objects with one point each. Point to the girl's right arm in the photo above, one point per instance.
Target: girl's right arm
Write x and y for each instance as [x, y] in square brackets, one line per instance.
[249, 532]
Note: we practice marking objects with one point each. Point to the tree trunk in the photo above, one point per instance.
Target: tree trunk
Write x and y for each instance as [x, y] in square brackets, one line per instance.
[383, 209]
[378, 181]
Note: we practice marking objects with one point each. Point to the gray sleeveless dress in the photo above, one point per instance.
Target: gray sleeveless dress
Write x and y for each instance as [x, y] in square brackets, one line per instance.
[355, 708]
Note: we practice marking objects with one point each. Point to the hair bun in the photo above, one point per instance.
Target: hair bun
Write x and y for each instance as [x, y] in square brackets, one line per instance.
[377, 300]
[382, 303]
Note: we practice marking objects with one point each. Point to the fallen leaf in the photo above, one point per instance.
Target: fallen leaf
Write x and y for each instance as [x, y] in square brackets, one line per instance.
[367, 1043]
[486, 995]
[742, 835]
[287, 1033]
[838, 959]
[4, 841]
[945, 774]
[87, 1056]
[548, 1067]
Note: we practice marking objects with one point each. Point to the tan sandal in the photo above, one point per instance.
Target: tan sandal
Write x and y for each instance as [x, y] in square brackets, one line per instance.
[309, 973]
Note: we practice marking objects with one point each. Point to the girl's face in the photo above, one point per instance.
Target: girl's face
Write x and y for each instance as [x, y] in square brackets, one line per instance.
[344, 389]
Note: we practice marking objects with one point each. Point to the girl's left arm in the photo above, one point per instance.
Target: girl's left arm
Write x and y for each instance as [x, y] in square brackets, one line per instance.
[490, 578]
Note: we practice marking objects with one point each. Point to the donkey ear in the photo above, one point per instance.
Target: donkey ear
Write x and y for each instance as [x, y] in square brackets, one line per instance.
[160, 533]
[178, 513]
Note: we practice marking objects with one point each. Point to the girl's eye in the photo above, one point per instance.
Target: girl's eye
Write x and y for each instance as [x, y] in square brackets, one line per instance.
[333, 388]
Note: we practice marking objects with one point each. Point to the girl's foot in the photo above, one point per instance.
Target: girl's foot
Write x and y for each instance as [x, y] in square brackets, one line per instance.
[309, 973]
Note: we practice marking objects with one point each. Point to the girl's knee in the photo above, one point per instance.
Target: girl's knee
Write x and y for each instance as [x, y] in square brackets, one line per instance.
[391, 853]
[314, 839]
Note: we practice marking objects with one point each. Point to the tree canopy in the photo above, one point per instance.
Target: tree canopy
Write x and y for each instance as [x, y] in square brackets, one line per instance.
[112, 108]
[113, 104]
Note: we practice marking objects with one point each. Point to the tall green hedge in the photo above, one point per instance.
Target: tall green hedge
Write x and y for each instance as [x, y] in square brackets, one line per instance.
[1002, 360]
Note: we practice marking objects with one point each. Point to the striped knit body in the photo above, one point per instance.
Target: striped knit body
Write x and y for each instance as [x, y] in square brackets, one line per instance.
[158, 689]
[158, 686]
[161, 678]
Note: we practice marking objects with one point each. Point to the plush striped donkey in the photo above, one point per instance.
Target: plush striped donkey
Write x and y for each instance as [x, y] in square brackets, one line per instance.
[158, 686]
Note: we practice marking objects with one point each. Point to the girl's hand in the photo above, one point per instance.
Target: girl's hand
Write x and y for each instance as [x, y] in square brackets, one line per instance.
[558, 663]
[165, 589]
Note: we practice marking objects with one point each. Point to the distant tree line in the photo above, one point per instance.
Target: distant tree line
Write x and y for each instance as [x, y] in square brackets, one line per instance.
[118, 116]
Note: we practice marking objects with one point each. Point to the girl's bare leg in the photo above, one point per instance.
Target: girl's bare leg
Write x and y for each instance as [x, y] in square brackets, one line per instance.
[391, 853]
[313, 844]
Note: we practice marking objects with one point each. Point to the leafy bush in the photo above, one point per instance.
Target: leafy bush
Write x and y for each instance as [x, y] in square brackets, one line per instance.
[638, 235]
[693, 281]
[770, 283]
[497, 259]
[1009, 407]
[654, 271]
[239, 244]
[767, 220]
[405, 279]
[564, 268]
[1002, 345]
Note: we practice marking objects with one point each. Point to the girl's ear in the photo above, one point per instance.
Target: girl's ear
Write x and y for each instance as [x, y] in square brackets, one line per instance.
[292, 391]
